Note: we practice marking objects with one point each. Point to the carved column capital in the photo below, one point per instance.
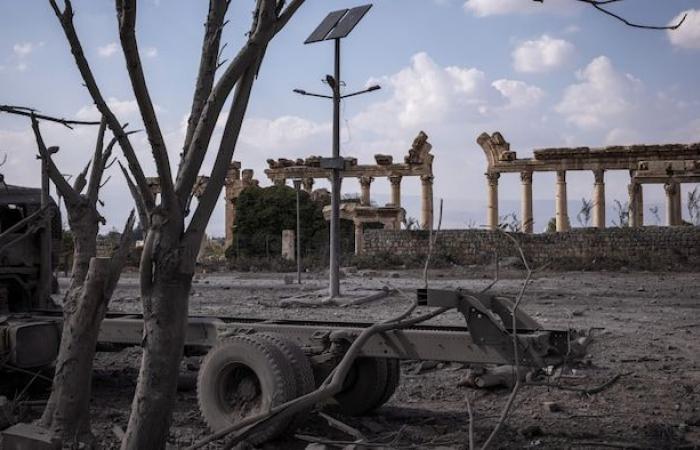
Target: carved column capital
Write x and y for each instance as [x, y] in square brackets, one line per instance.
[561, 176]
[526, 177]
[671, 188]
[308, 184]
[492, 178]
[427, 179]
[395, 180]
[366, 181]
[599, 175]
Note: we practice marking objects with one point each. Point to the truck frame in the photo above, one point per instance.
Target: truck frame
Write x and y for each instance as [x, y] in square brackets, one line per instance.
[253, 364]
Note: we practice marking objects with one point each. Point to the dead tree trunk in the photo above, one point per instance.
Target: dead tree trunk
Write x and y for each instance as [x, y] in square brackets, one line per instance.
[92, 283]
[171, 247]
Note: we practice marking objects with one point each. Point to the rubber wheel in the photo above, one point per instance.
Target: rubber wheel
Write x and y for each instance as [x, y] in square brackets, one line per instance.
[303, 373]
[392, 381]
[244, 376]
[365, 387]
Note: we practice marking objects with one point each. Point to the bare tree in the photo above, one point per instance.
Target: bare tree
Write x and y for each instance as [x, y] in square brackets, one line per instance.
[510, 222]
[92, 283]
[171, 246]
[622, 210]
[602, 6]
[584, 214]
[654, 210]
[694, 206]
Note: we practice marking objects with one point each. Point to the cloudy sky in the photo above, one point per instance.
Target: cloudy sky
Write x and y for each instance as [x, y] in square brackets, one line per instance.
[556, 73]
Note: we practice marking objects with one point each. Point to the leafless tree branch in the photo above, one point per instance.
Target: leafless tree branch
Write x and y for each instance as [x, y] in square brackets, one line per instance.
[251, 51]
[81, 179]
[126, 14]
[61, 184]
[28, 112]
[207, 201]
[136, 195]
[65, 18]
[599, 5]
[208, 64]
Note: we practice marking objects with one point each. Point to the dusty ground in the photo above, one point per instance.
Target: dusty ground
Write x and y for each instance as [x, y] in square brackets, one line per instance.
[649, 331]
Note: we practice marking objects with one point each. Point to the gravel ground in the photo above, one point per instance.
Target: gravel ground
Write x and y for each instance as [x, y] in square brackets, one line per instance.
[647, 329]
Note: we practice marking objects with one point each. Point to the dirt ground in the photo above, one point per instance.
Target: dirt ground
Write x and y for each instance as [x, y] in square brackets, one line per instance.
[647, 329]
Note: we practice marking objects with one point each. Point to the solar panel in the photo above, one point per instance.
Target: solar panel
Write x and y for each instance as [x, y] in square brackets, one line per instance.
[348, 22]
[326, 26]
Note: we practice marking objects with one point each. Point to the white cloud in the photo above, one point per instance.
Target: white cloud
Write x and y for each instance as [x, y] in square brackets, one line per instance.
[280, 133]
[121, 108]
[23, 49]
[424, 92]
[688, 35]
[108, 50]
[519, 94]
[484, 8]
[150, 52]
[601, 96]
[542, 55]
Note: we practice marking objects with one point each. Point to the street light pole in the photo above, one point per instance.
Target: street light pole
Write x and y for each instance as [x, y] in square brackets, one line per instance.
[336, 26]
[297, 187]
[334, 289]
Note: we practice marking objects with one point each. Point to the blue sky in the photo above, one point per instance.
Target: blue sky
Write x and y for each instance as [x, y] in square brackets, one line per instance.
[557, 73]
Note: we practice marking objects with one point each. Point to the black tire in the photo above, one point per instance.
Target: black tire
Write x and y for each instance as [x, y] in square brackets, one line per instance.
[242, 376]
[365, 387]
[303, 373]
[392, 381]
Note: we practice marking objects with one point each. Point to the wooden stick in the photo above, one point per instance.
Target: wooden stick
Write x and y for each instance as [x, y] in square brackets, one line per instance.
[345, 428]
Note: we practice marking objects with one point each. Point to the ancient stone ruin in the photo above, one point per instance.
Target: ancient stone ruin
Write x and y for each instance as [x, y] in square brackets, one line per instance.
[669, 164]
[417, 163]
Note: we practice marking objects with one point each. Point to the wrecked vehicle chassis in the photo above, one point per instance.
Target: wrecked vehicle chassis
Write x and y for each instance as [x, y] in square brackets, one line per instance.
[254, 364]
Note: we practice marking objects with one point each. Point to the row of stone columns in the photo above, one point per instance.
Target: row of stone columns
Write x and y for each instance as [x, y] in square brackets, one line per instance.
[636, 202]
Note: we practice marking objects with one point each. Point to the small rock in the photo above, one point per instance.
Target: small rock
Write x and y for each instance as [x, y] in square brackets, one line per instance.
[424, 366]
[641, 289]
[552, 407]
[531, 431]
[395, 275]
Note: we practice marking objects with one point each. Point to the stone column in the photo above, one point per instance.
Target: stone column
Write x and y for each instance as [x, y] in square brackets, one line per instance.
[526, 202]
[233, 176]
[359, 237]
[308, 184]
[599, 199]
[562, 207]
[673, 204]
[427, 202]
[288, 244]
[492, 200]
[365, 184]
[395, 181]
[636, 211]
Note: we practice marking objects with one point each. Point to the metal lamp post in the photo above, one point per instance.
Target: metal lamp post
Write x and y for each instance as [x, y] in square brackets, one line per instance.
[297, 187]
[336, 26]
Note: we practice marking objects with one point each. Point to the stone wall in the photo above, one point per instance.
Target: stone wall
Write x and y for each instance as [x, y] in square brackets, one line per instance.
[635, 248]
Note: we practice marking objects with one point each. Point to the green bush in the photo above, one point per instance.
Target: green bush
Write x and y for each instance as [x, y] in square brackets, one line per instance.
[263, 213]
